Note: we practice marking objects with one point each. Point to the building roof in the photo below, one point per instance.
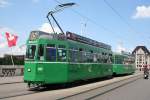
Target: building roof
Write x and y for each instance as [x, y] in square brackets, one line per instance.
[142, 47]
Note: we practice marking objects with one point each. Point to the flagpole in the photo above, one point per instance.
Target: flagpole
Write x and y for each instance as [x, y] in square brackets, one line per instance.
[12, 57]
[11, 39]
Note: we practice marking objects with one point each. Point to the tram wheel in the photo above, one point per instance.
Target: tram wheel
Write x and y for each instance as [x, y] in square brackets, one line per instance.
[33, 86]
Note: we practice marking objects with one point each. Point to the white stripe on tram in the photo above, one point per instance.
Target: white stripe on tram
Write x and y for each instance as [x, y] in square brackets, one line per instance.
[64, 62]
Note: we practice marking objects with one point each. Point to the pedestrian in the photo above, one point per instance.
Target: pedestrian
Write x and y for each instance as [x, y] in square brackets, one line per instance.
[146, 71]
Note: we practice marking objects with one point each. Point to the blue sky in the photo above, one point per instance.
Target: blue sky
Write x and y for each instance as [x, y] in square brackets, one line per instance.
[125, 33]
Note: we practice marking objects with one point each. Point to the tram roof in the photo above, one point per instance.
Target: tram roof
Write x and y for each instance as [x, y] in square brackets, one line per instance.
[69, 36]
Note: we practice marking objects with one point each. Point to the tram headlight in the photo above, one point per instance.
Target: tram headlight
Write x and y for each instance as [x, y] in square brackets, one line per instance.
[29, 70]
[40, 68]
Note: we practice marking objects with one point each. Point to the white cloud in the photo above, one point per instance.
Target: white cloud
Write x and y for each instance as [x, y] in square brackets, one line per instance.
[131, 49]
[35, 1]
[142, 12]
[3, 3]
[120, 47]
[18, 50]
[6, 29]
[47, 28]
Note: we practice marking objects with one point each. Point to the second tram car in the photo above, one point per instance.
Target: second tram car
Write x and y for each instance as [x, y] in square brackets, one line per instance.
[123, 63]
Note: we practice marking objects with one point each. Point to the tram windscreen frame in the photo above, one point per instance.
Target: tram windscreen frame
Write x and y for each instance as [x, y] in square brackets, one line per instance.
[31, 51]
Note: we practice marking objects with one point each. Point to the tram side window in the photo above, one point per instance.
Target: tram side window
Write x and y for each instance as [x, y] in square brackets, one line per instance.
[119, 59]
[61, 53]
[73, 55]
[90, 56]
[41, 52]
[103, 57]
[81, 55]
[125, 60]
[107, 59]
[110, 58]
[84, 56]
[30, 53]
[95, 57]
[128, 60]
[99, 57]
[50, 53]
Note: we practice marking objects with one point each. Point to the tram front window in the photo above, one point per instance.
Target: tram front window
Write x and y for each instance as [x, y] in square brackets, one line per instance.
[30, 53]
[41, 52]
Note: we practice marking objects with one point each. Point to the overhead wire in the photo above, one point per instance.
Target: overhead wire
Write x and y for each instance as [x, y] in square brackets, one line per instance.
[97, 24]
[89, 19]
[120, 16]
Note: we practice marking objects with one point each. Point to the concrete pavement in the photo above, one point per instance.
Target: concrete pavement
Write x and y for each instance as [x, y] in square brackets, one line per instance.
[61, 93]
[9, 80]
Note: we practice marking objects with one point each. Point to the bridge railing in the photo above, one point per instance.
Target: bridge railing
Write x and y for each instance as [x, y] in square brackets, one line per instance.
[9, 70]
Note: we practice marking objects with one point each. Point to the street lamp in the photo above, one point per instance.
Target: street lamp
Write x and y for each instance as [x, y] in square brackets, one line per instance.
[58, 8]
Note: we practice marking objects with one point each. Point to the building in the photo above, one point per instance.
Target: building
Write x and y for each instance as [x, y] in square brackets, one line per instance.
[17, 59]
[142, 57]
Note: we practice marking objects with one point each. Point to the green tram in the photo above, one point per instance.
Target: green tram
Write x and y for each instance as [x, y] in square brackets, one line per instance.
[123, 63]
[59, 58]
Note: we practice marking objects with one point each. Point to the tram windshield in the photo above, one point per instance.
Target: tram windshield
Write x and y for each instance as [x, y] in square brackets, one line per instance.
[30, 53]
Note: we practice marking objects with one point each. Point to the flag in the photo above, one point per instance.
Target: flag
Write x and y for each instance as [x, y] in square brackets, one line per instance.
[11, 39]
